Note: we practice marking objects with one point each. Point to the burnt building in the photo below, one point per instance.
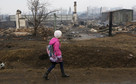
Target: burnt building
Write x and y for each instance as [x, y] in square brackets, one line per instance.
[119, 16]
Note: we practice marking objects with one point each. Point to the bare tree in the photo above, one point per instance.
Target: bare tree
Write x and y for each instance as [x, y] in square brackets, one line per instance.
[39, 13]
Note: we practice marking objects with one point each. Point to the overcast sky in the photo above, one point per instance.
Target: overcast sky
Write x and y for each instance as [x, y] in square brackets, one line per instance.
[10, 6]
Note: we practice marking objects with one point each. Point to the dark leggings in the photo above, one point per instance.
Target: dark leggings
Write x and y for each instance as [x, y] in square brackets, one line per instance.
[54, 64]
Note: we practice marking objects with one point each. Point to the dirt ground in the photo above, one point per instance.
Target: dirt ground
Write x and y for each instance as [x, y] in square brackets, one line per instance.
[108, 60]
[77, 76]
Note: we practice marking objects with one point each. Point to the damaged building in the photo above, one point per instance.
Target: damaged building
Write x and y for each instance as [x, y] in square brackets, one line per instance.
[60, 19]
[22, 21]
[118, 16]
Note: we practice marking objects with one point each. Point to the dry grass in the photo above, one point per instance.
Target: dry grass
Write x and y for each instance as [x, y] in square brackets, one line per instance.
[102, 52]
[109, 52]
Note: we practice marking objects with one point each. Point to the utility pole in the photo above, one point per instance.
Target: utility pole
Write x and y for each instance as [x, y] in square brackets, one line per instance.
[110, 24]
[87, 14]
[61, 14]
[101, 13]
[55, 21]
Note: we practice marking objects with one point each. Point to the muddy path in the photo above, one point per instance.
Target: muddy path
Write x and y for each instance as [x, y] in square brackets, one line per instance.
[77, 76]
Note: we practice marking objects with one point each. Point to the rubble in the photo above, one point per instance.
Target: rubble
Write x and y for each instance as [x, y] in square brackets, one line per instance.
[70, 32]
[7, 32]
[24, 30]
[21, 33]
[93, 30]
[81, 26]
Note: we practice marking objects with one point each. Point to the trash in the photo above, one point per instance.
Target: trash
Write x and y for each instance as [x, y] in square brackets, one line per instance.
[130, 56]
[2, 65]
[93, 30]
[119, 29]
[21, 33]
[98, 50]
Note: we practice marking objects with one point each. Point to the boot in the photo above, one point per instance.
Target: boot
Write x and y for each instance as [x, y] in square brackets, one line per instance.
[46, 75]
[62, 70]
[64, 75]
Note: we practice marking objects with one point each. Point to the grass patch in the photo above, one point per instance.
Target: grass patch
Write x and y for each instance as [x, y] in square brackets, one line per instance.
[108, 52]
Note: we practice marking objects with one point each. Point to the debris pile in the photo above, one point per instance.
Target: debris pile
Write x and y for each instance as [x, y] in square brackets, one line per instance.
[7, 32]
[124, 28]
[91, 29]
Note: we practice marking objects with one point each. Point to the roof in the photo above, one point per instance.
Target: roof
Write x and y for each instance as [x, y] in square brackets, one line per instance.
[119, 10]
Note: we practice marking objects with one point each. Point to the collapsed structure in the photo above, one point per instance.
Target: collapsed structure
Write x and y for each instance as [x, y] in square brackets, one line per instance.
[22, 22]
[119, 16]
[75, 14]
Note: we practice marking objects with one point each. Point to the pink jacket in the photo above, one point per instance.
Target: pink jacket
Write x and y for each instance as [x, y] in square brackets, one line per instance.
[56, 45]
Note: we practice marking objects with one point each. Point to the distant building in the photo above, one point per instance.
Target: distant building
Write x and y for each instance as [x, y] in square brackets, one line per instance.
[12, 17]
[4, 18]
[60, 18]
[50, 19]
[0, 18]
[119, 16]
[5, 22]
[8, 24]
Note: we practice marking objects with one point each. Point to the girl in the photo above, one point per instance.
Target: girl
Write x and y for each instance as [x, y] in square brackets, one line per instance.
[58, 55]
